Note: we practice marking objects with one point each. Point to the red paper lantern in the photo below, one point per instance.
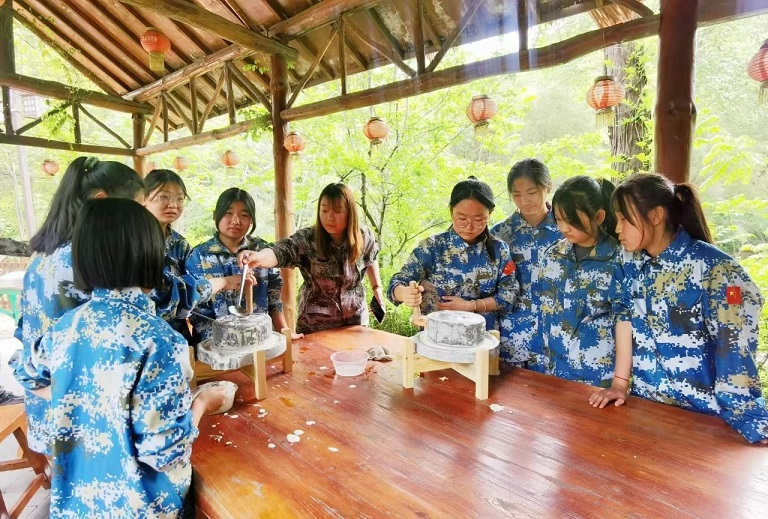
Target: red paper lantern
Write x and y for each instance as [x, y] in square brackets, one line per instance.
[480, 111]
[758, 70]
[230, 159]
[50, 167]
[376, 130]
[158, 45]
[180, 163]
[604, 94]
[294, 143]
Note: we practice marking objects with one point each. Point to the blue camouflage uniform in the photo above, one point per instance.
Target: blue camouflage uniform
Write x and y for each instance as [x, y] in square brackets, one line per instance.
[580, 302]
[120, 407]
[180, 292]
[527, 245]
[214, 259]
[695, 314]
[49, 292]
[456, 268]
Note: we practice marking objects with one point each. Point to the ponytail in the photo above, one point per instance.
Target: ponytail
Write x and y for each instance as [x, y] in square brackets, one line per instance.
[687, 212]
[84, 176]
[641, 193]
[609, 222]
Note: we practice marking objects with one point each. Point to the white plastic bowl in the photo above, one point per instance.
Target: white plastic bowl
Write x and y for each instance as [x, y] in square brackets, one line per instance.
[349, 363]
[230, 388]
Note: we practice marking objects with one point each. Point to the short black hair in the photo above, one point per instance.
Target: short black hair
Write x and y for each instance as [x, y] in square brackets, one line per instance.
[532, 169]
[158, 178]
[84, 177]
[117, 243]
[227, 198]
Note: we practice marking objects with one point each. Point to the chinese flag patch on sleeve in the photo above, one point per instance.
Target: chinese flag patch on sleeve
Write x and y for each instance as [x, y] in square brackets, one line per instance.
[733, 295]
[509, 268]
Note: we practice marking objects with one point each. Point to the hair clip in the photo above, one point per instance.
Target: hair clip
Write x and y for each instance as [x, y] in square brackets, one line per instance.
[90, 163]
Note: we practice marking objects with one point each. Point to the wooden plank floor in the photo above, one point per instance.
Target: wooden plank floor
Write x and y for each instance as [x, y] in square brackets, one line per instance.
[373, 449]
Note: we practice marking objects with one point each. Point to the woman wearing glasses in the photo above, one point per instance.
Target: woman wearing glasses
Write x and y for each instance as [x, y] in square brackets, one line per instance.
[181, 293]
[464, 268]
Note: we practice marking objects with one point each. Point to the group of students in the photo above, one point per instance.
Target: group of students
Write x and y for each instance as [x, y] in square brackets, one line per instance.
[618, 288]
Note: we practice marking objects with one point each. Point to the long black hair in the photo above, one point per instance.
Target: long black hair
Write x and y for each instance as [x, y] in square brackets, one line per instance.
[230, 196]
[473, 189]
[588, 195]
[646, 191]
[117, 243]
[84, 177]
[532, 169]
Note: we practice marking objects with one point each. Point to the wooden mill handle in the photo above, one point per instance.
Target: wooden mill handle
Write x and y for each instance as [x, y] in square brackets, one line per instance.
[416, 318]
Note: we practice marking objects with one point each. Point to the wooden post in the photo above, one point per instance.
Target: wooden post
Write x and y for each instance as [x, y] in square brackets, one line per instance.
[418, 36]
[138, 142]
[7, 60]
[164, 102]
[193, 104]
[342, 60]
[283, 181]
[230, 94]
[675, 111]
[76, 117]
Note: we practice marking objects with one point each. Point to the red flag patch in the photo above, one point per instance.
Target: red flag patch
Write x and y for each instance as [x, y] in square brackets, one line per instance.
[733, 295]
[509, 268]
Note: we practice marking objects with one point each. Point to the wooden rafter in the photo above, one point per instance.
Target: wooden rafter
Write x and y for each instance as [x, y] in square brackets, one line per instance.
[549, 56]
[192, 14]
[152, 124]
[104, 127]
[384, 50]
[201, 138]
[342, 58]
[40, 119]
[451, 41]
[379, 22]
[249, 88]
[418, 37]
[193, 103]
[312, 68]
[211, 102]
[57, 90]
[174, 105]
[319, 15]
[634, 5]
[37, 142]
[230, 93]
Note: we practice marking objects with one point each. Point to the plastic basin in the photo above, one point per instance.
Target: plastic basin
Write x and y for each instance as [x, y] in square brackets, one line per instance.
[349, 363]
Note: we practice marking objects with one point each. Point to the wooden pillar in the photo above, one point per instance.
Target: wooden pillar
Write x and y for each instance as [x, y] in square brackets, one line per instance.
[675, 111]
[283, 181]
[7, 58]
[138, 142]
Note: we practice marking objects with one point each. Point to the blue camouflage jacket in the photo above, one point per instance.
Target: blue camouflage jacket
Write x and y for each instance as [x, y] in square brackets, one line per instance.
[580, 302]
[214, 259]
[120, 409]
[180, 292]
[527, 245]
[49, 292]
[695, 314]
[456, 268]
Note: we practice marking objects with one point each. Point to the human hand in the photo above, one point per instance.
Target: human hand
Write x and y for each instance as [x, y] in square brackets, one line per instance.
[409, 295]
[250, 280]
[456, 303]
[617, 393]
[212, 399]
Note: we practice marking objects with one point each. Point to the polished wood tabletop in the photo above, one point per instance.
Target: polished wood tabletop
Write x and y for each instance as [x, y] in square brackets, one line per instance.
[365, 447]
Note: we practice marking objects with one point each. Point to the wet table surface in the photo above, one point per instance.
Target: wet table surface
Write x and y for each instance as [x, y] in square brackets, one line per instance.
[369, 448]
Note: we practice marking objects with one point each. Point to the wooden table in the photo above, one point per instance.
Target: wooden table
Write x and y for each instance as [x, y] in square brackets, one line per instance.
[373, 449]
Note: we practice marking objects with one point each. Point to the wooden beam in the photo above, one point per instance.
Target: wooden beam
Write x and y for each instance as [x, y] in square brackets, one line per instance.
[138, 141]
[182, 75]
[719, 11]
[319, 15]
[675, 112]
[451, 41]
[155, 116]
[211, 102]
[177, 109]
[46, 88]
[164, 102]
[283, 181]
[342, 58]
[7, 60]
[638, 7]
[37, 142]
[386, 51]
[105, 127]
[379, 22]
[7, 115]
[522, 25]
[200, 138]
[193, 103]
[312, 68]
[250, 88]
[230, 94]
[195, 16]
[418, 36]
[37, 121]
[76, 117]
[555, 54]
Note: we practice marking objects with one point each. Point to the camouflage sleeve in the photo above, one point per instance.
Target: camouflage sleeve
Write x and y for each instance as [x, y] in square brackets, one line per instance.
[161, 405]
[502, 231]
[620, 292]
[274, 291]
[31, 366]
[195, 270]
[507, 286]
[290, 251]
[180, 295]
[370, 248]
[415, 267]
[731, 308]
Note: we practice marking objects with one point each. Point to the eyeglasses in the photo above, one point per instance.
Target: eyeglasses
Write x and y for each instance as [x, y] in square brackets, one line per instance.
[166, 200]
[463, 221]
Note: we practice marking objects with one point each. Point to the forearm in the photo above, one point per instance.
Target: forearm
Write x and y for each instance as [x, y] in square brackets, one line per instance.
[374, 277]
[198, 410]
[623, 365]
[278, 320]
[485, 305]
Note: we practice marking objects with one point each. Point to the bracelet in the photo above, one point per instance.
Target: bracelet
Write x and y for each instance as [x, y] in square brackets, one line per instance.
[621, 378]
[474, 306]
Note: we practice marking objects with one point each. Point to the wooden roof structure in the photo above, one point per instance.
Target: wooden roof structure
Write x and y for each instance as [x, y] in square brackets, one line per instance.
[229, 54]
